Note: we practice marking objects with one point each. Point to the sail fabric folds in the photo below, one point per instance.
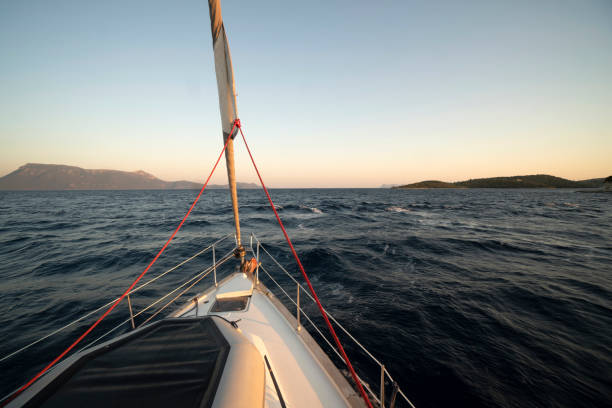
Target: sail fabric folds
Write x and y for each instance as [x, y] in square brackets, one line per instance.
[223, 69]
[227, 102]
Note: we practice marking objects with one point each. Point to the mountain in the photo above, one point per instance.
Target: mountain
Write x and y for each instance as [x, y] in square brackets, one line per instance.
[33, 176]
[531, 181]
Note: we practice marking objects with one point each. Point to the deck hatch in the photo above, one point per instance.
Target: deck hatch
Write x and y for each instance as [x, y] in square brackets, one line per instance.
[233, 304]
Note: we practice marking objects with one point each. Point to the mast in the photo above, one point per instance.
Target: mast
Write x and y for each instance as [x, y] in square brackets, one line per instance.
[227, 105]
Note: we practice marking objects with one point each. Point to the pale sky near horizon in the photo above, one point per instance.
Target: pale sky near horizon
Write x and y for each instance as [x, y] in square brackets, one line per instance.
[331, 94]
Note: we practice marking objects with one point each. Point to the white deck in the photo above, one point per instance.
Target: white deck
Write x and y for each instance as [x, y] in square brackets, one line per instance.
[303, 372]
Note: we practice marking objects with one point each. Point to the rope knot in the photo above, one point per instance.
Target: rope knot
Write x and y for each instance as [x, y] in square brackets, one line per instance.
[237, 123]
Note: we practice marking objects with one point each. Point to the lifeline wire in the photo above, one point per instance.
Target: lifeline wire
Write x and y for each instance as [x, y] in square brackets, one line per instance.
[110, 303]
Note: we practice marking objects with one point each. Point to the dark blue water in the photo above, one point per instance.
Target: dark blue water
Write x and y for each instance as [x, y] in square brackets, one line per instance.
[471, 297]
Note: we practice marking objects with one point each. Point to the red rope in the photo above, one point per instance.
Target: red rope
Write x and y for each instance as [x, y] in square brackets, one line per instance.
[314, 295]
[77, 341]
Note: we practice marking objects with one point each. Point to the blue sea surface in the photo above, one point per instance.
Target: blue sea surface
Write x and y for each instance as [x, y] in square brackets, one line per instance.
[474, 298]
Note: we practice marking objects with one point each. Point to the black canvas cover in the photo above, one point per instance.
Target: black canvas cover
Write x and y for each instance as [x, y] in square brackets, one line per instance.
[172, 363]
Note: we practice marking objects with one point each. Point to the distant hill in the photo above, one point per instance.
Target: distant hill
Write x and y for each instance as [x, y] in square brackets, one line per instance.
[33, 176]
[430, 184]
[606, 186]
[531, 181]
[596, 182]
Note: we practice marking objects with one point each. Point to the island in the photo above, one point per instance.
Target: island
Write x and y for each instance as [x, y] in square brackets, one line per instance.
[36, 176]
[529, 181]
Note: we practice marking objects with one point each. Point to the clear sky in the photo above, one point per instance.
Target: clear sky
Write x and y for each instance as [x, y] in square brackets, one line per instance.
[331, 93]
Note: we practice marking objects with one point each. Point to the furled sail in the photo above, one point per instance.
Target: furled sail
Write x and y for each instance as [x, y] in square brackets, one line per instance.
[227, 99]
[223, 68]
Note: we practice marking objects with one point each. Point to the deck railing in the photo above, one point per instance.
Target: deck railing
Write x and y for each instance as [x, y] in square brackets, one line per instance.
[258, 250]
[193, 280]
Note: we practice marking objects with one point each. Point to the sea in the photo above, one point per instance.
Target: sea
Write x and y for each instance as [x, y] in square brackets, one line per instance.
[471, 298]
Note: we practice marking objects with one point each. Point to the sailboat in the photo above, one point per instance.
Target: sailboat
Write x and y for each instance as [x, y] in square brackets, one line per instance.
[234, 344]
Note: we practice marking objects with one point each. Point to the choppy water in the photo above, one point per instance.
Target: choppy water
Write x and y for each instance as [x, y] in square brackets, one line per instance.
[471, 297]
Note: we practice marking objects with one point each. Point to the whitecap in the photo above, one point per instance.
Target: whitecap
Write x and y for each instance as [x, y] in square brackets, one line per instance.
[397, 209]
[313, 209]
